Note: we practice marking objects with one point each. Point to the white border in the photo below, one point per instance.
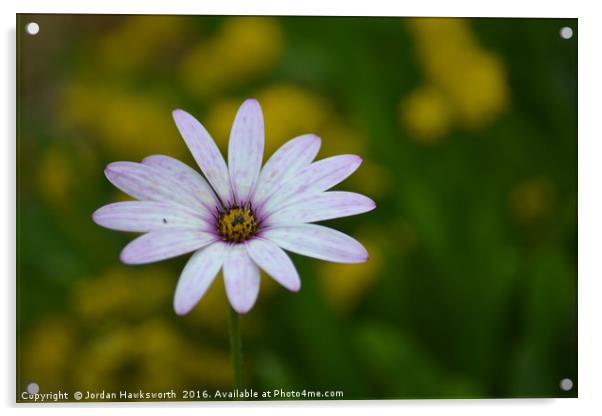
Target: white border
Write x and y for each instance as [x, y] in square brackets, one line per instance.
[590, 200]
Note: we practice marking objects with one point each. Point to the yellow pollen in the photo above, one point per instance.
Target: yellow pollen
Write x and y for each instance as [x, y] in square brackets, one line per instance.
[237, 224]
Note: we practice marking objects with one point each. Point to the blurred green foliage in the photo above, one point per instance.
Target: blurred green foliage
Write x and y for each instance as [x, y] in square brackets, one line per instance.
[468, 128]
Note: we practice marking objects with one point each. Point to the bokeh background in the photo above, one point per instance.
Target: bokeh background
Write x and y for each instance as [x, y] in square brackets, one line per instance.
[469, 137]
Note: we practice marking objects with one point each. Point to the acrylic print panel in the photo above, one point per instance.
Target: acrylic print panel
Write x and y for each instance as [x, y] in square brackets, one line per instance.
[413, 236]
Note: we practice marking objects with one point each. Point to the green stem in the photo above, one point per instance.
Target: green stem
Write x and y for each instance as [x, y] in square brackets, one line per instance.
[236, 348]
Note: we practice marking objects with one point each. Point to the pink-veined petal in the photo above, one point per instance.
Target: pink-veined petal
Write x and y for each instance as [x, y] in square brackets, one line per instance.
[275, 262]
[241, 278]
[148, 184]
[205, 153]
[313, 179]
[321, 207]
[245, 149]
[144, 216]
[188, 178]
[289, 159]
[319, 242]
[164, 244]
[197, 276]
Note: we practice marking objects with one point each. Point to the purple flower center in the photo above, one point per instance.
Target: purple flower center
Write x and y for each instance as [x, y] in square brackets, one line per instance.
[237, 224]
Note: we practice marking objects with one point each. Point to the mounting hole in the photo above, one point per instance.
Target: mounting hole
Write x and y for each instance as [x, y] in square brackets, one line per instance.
[33, 388]
[566, 32]
[566, 384]
[32, 28]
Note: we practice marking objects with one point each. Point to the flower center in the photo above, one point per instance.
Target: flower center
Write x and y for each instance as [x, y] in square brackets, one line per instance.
[237, 224]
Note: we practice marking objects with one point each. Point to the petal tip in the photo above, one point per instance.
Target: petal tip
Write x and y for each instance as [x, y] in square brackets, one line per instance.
[95, 216]
[251, 101]
[251, 105]
[110, 168]
[313, 139]
[364, 257]
[115, 168]
[242, 309]
[180, 116]
[126, 257]
[180, 309]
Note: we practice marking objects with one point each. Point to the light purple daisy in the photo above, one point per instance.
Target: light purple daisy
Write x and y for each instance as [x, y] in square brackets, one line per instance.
[239, 217]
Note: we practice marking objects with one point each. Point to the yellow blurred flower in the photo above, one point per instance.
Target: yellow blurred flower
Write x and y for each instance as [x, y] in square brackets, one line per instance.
[479, 91]
[532, 199]
[151, 356]
[139, 40]
[55, 177]
[288, 111]
[345, 284]
[242, 49]
[122, 292]
[46, 354]
[465, 84]
[425, 113]
[128, 126]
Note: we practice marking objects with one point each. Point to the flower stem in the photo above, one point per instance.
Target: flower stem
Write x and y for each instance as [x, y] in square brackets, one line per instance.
[236, 348]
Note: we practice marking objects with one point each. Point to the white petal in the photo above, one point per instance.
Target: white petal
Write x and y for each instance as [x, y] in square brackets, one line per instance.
[164, 244]
[241, 278]
[245, 149]
[313, 179]
[197, 276]
[206, 153]
[144, 216]
[289, 159]
[320, 207]
[188, 178]
[275, 262]
[146, 183]
[319, 242]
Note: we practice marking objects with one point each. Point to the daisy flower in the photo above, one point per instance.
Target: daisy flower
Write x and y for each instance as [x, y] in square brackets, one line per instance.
[238, 217]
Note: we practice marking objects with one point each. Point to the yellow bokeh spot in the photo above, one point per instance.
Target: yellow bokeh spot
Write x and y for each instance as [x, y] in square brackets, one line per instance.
[288, 110]
[55, 177]
[127, 125]
[151, 355]
[479, 90]
[46, 353]
[425, 113]
[466, 86]
[122, 292]
[242, 49]
[140, 40]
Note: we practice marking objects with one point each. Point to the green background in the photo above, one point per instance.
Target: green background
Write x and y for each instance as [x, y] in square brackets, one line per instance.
[468, 130]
